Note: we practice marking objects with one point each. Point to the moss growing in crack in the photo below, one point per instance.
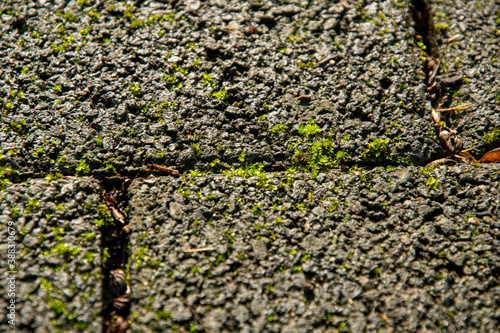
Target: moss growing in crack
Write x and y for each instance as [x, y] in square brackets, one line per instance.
[379, 150]
[98, 141]
[163, 315]
[256, 209]
[319, 156]
[252, 170]
[53, 176]
[105, 216]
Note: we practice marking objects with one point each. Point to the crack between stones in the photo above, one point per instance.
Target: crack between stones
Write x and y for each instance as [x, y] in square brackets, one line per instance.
[115, 254]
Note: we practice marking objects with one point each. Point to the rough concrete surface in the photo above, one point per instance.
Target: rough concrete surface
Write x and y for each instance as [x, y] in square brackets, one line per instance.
[302, 129]
[58, 261]
[339, 252]
[130, 85]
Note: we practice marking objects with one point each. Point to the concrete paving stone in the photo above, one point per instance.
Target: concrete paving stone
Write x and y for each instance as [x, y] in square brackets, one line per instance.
[99, 88]
[58, 256]
[412, 248]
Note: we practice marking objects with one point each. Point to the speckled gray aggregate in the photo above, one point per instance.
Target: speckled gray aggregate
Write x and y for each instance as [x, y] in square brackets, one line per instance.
[425, 259]
[319, 254]
[78, 103]
[58, 255]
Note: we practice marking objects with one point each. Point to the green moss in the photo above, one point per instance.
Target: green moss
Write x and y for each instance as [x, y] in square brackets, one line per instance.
[196, 149]
[57, 305]
[180, 69]
[378, 149]
[82, 326]
[82, 168]
[319, 156]
[89, 257]
[58, 232]
[98, 141]
[307, 65]
[256, 209]
[19, 128]
[105, 216]
[432, 183]
[172, 82]
[221, 94]
[295, 39]
[333, 206]
[276, 129]
[300, 207]
[135, 89]
[163, 315]
[68, 16]
[343, 156]
[309, 130]
[493, 135]
[140, 257]
[441, 28]
[211, 197]
[65, 250]
[53, 176]
[15, 212]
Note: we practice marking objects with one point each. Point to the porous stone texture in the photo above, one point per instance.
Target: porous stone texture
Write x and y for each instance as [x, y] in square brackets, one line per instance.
[410, 248]
[99, 88]
[58, 255]
[118, 85]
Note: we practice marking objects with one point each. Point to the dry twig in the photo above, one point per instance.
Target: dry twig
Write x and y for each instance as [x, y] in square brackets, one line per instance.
[203, 249]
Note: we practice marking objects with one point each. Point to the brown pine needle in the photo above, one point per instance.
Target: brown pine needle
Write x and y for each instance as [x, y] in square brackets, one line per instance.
[199, 250]
[387, 325]
[457, 108]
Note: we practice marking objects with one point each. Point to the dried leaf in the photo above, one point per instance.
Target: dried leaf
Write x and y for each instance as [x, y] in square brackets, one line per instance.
[491, 156]
[121, 301]
[442, 161]
[435, 116]
[110, 200]
[117, 215]
[467, 156]
[117, 282]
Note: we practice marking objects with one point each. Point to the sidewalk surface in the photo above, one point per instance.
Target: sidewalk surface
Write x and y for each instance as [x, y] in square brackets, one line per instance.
[302, 130]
